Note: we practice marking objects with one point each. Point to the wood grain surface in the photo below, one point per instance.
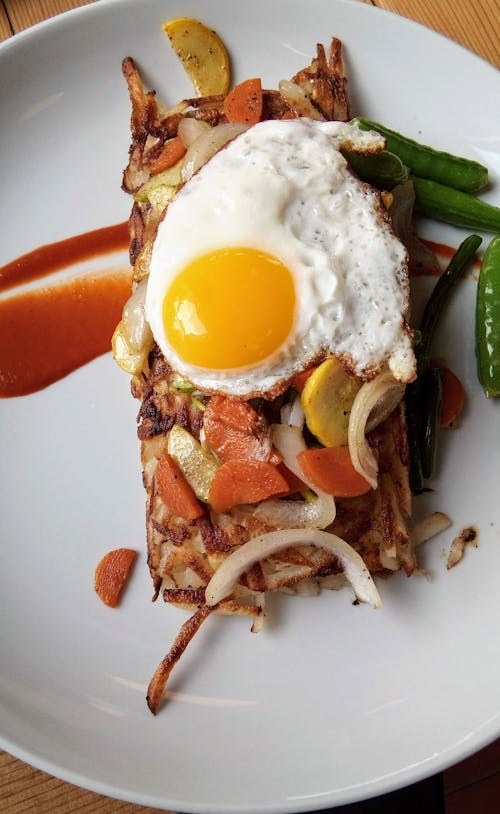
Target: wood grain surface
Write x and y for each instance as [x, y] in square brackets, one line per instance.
[472, 23]
[473, 784]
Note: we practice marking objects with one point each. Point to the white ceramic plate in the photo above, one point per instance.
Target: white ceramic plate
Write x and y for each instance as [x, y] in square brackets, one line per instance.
[331, 703]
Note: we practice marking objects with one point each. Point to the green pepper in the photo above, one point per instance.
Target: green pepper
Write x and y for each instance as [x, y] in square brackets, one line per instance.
[453, 206]
[439, 298]
[423, 396]
[413, 421]
[383, 170]
[488, 320]
[432, 398]
[426, 162]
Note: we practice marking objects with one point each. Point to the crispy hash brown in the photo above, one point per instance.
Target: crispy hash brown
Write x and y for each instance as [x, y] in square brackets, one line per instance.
[184, 554]
[321, 91]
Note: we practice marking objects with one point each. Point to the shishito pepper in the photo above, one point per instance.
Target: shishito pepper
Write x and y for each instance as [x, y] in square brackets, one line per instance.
[450, 205]
[423, 397]
[383, 170]
[426, 162]
[488, 320]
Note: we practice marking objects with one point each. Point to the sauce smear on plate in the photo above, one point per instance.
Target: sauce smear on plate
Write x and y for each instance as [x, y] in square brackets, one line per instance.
[48, 332]
[56, 256]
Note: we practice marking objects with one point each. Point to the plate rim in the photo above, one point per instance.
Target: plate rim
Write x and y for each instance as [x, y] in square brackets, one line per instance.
[442, 761]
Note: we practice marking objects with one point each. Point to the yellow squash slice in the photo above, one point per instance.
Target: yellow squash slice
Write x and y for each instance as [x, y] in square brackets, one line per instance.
[327, 399]
[202, 53]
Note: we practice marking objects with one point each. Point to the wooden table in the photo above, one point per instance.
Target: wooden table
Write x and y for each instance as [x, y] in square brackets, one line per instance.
[475, 783]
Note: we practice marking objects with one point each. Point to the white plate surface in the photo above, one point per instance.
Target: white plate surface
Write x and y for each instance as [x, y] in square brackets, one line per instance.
[330, 703]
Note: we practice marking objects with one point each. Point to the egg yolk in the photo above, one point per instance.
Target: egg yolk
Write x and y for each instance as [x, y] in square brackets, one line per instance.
[230, 308]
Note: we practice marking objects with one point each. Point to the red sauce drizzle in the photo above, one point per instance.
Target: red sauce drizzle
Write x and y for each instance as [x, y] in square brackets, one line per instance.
[445, 251]
[49, 332]
[56, 256]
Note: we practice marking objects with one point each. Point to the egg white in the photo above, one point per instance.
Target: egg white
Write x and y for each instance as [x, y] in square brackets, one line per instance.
[284, 188]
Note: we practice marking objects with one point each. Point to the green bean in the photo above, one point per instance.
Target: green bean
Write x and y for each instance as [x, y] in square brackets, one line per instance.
[439, 297]
[413, 421]
[426, 162]
[423, 397]
[488, 320]
[382, 170]
[453, 206]
[432, 401]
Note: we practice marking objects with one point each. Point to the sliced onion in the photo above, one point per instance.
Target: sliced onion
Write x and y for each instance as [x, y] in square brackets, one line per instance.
[298, 99]
[285, 413]
[266, 545]
[429, 527]
[207, 144]
[137, 328]
[292, 413]
[190, 129]
[366, 399]
[422, 259]
[297, 413]
[385, 406]
[289, 441]
[318, 513]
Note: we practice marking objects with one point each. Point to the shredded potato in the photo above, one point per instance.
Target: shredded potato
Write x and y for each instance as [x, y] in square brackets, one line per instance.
[306, 540]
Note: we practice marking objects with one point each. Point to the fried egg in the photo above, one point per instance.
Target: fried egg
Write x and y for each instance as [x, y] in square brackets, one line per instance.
[274, 256]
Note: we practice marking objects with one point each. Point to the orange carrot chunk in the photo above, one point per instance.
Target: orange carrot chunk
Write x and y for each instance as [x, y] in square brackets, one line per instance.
[175, 491]
[112, 574]
[234, 430]
[170, 155]
[300, 379]
[244, 102]
[453, 398]
[237, 482]
[331, 469]
[295, 485]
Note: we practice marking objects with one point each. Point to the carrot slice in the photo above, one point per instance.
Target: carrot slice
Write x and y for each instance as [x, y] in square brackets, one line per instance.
[235, 430]
[112, 574]
[331, 469]
[237, 482]
[295, 485]
[453, 398]
[300, 379]
[170, 155]
[244, 102]
[175, 491]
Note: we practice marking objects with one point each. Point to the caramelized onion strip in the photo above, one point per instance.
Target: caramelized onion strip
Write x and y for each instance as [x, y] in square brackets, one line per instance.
[259, 548]
[368, 398]
[207, 144]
